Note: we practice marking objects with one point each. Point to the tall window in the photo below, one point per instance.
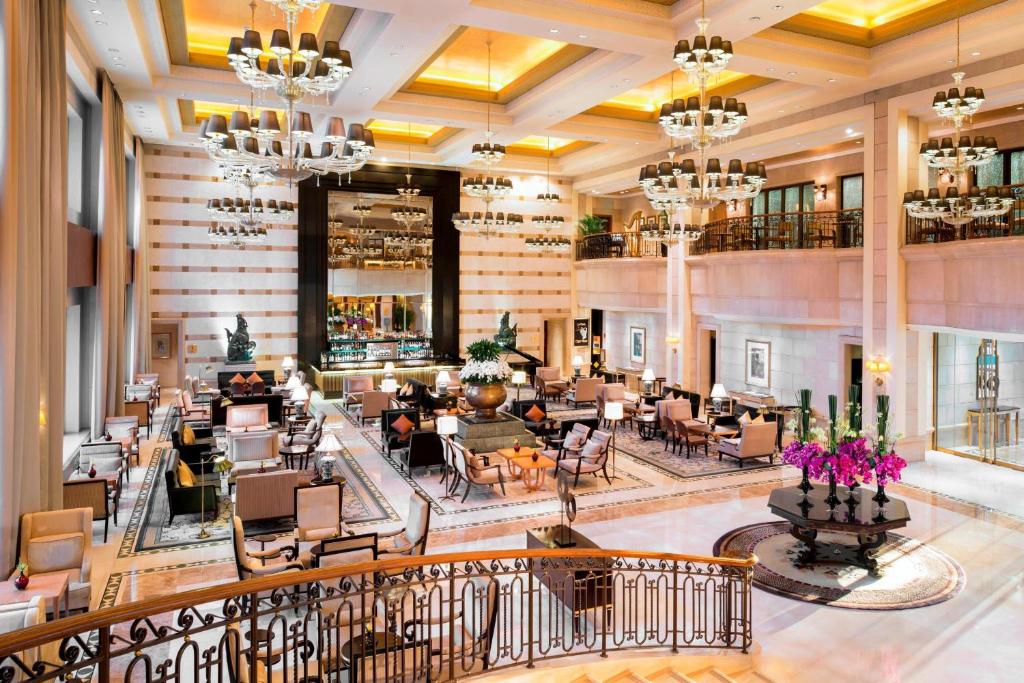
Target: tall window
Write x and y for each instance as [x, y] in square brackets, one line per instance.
[789, 199]
[851, 191]
[1006, 168]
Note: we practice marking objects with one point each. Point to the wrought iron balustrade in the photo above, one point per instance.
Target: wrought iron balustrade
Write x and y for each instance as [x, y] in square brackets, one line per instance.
[928, 230]
[788, 230]
[436, 618]
[617, 245]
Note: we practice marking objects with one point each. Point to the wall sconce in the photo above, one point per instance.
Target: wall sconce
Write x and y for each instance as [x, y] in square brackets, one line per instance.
[733, 204]
[878, 366]
[673, 341]
[821, 192]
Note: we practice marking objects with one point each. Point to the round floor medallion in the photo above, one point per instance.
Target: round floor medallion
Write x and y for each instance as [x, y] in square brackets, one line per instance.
[912, 574]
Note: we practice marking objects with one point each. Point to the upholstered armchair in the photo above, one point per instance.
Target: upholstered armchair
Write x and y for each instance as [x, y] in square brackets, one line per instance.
[354, 387]
[249, 450]
[317, 518]
[60, 541]
[346, 612]
[247, 569]
[757, 441]
[585, 391]
[108, 456]
[194, 452]
[689, 439]
[395, 431]
[266, 495]
[527, 410]
[425, 450]
[549, 383]
[92, 494]
[188, 493]
[593, 458]
[571, 444]
[21, 615]
[124, 430]
[309, 435]
[253, 417]
[373, 404]
[609, 393]
[412, 540]
[476, 470]
[671, 411]
[189, 412]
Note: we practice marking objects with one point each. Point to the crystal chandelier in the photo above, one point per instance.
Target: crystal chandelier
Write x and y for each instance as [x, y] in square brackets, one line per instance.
[671, 234]
[408, 214]
[672, 186]
[489, 153]
[956, 210]
[549, 242]
[487, 189]
[241, 221]
[957, 110]
[362, 210]
[486, 222]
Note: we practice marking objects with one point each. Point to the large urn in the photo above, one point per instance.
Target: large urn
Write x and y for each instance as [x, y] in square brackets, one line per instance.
[486, 398]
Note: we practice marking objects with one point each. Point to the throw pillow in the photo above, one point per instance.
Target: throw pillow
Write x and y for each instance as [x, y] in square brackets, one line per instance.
[55, 552]
[188, 437]
[402, 425]
[573, 441]
[185, 476]
[592, 450]
[237, 379]
[535, 414]
[254, 377]
[759, 420]
[745, 419]
[406, 390]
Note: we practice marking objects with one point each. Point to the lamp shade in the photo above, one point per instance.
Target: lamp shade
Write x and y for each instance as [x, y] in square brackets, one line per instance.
[329, 444]
[443, 378]
[389, 385]
[648, 375]
[519, 377]
[293, 383]
[718, 391]
[577, 361]
[389, 367]
[446, 425]
[288, 362]
[613, 411]
[300, 394]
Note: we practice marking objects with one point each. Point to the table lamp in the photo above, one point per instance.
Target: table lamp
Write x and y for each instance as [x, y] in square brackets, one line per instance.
[389, 385]
[442, 381]
[445, 426]
[327, 451]
[293, 383]
[613, 413]
[518, 379]
[577, 363]
[299, 397]
[288, 366]
[648, 379]
[389, 369]
[718, 393]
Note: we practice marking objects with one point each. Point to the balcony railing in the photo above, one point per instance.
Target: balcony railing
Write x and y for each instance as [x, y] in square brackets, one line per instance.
[927, 231]
[790, 230]
[617, 245]
[426, 618]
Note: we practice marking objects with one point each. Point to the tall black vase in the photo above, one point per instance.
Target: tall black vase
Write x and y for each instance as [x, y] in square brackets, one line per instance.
[805, 483]
[880, 496]
[832, 500]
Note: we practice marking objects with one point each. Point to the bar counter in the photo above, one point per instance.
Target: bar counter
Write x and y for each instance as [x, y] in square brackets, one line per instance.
[331, 381]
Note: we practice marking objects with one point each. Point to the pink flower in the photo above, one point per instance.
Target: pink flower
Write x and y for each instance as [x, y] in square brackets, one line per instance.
[888, 467]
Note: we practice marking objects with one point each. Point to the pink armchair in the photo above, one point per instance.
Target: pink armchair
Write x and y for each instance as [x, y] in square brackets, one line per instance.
[354, 388]
[585, 391]
[757, 441]
[591, 460]
[61, 541]
[609, 393]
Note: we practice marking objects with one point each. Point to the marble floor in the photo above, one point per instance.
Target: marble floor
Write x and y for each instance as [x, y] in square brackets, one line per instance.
[971, 511]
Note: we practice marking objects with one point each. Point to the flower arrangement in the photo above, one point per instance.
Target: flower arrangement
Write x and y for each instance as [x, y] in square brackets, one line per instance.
[485, 365]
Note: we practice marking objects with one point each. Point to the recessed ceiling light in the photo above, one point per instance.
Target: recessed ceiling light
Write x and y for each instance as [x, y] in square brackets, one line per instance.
[776, 7]
[849, 131]
[112, 49]
[121, 66]
[384, 160]
[791, 73]
[637, 143]
[858, 141]
[832, 80]
[96, 10]
[771, 69]
[554, 30]
[976, 53]
[581, 35]
[627, 80]
[755, 18]
[100, 23]
[782, 111]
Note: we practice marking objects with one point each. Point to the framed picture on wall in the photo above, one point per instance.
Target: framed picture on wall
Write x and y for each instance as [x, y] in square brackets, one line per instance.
[161, 345]
[581, 332]
[637, 344]
[759, 363]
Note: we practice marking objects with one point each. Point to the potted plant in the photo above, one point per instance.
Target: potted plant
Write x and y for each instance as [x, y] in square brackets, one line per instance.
[591, 225]
[485, 375]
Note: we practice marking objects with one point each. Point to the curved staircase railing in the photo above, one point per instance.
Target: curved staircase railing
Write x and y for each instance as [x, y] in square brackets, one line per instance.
[435, 617]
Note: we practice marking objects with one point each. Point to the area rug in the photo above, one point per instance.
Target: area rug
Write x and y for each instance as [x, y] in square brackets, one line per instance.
[362, 503]
[912, 574]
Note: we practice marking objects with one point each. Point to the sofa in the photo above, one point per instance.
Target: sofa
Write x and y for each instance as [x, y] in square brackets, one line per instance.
[183, 499]
[266, 495]
[246, 418]
[756, 441]
[219, 411]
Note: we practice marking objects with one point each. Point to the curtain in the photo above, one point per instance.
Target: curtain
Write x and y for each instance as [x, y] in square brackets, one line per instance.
[111, 263]
[141, 313]
[33, 263]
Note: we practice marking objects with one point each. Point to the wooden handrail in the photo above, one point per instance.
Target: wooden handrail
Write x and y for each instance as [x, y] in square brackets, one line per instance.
[41, 634]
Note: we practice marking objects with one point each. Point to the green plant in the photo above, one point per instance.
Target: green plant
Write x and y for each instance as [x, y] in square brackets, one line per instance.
[483, 350]
[591, 225]
[403, 317]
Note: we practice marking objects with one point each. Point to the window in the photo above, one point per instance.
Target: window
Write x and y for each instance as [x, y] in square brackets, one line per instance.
[851, 191]
[75, 165]
[1006, 168]
[991, 173]
[789, 199]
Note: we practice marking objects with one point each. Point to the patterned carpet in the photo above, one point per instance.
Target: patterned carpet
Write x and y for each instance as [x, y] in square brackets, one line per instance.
[912, 574]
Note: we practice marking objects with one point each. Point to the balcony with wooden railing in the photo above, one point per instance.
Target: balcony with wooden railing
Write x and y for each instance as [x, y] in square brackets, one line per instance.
[427, 618]
[788, 230]
[933, 231]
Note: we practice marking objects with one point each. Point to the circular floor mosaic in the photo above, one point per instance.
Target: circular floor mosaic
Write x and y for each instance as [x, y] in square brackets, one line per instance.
[912, 574]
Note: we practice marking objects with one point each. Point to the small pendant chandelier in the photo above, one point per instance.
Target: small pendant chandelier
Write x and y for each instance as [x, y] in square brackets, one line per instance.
[408, 214]
[549, 242]
[953, 209]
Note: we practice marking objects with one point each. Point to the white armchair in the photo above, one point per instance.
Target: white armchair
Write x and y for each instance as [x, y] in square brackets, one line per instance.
[22, 615]
[317, 518]
[412, 540]
[248, 450]
[60, 541]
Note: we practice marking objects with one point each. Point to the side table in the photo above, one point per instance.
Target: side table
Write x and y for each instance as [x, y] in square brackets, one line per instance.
[52, 587]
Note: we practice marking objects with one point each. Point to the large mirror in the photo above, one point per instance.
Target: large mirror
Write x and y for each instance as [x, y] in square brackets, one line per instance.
[379, 278]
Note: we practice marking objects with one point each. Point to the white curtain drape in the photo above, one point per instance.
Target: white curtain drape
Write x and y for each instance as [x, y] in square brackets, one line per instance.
[112, 262]
[33, 263]
[141, 302]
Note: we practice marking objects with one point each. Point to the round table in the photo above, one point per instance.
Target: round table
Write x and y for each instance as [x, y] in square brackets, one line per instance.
[289, 453]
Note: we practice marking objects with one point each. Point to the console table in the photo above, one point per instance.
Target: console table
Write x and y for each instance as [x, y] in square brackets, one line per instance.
[862, 519]
[577, 589]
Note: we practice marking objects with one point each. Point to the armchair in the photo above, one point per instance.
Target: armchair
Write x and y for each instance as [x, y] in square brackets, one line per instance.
[253, 417]
[373, 404]
[317, 518]
[609, 393]
[671, 411]
[414, 394]
[185, 497]
[756, 441]
[21, 615]
[524, 411]
[265, 495]
[309, 435]
[475, 471]
[396, 432]
[243, 557]
[187, 411]
[345, 612]
[689, 439]
[60, 541]
[92, 494]
[412, 540]
[354, 387]
[125, 430]
[549, 383]
[425, 450]
[250, 450]
[571, 442]
[153, 380]
[585, 391]
[591, 460]
[193, 453]
[108, 456]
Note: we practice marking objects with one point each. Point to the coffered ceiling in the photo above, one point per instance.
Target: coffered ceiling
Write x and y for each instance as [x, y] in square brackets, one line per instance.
[589, 74]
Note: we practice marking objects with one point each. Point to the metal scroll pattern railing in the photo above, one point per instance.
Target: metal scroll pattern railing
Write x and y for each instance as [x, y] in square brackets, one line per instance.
[927, 230]
[617, 245]
[790, 230]
[441, 618]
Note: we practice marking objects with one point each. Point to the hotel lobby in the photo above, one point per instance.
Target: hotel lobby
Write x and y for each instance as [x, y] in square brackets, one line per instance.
[580, 340]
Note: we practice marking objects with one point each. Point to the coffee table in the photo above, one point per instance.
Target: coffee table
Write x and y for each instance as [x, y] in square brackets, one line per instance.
[858, 516]
[533, 472]
[52, 587]
[292, 453]
[646, 425]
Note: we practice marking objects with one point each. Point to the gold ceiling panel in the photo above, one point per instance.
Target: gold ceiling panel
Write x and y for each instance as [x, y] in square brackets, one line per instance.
[194, 112]
[198, 31]
[518, 63]
[643, 103]
[868, 23]
[538, 145]
[416, 133]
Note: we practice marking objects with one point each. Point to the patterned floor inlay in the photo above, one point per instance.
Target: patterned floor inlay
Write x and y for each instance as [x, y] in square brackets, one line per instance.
[913, 574]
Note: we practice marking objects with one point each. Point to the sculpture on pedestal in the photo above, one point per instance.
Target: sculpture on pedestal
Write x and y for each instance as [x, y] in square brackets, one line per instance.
[240, 348]
[507, 334]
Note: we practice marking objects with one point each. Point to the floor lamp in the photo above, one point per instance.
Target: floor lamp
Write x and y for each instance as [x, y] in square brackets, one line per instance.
[613, 413]
[217, 461]
[446, 425]
[518, 379]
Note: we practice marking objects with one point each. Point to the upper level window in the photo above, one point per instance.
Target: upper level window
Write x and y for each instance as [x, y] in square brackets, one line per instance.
[851, 192]
[787, 199]
[1006, 168]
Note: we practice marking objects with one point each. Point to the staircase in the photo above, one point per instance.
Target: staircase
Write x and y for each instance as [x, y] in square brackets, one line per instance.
[652, 669]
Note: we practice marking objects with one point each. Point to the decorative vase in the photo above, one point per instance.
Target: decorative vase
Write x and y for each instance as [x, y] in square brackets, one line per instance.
[535, 456]
[880, 496]
[805, 483]
[92, 471]
[832, 500]
[485, 398]
[21, 581]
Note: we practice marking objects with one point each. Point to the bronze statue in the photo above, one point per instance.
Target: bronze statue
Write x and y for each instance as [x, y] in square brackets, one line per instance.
[239, 346]
[507, 335]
